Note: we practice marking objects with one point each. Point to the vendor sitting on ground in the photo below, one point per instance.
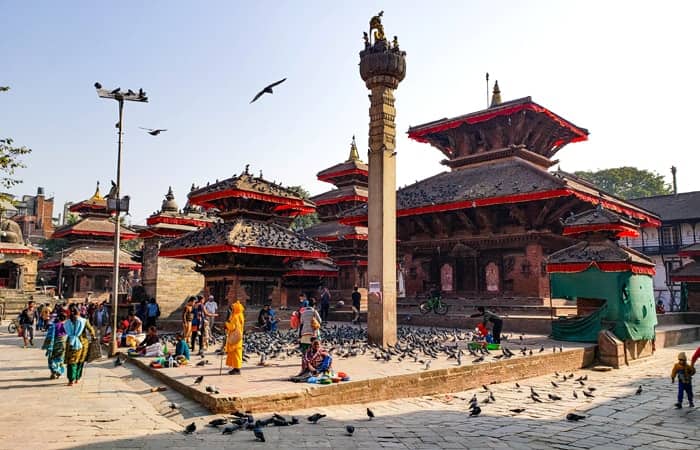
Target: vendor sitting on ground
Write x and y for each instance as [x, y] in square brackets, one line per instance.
[316, 359]
[494, 318]
[148, 345]
[181, 347]
[266, 319]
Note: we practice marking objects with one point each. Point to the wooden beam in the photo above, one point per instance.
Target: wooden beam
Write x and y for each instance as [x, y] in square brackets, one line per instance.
[539, 220]
[518, 213]
[421, 224]
[557, 213]
[462, 216]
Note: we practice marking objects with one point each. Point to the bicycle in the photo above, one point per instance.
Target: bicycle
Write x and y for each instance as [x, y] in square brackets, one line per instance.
[434, 304]
[13, 326]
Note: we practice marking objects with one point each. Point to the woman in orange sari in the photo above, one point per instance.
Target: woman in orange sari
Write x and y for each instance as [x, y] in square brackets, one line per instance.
[234, 339]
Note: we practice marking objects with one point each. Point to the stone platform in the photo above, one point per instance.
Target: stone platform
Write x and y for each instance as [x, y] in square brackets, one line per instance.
[262, 389]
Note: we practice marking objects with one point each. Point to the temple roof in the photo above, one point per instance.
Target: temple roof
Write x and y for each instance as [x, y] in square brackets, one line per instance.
[504, 181]
[688, 273]
[342, 194]
[674, 207]
[170, 222]
[599, 220]
[335, 231]
[599, 251]
[560, 131]
[93, 257]
[169, 204]
[92, 227]
[312, 268]
[691, 251]
[95, 204]
[248, 186]
[19, 249]
[245, 236]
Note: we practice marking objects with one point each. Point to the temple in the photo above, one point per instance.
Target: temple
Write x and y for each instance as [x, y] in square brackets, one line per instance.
[86, 266]
[18, 260]
[689, 278]
[347, 243]
[244, 255]
[171, 280]
[484, 228]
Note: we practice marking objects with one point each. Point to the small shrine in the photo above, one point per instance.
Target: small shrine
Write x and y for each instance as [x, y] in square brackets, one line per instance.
[689, 277]
[244, 255]
[347, 243]
[18, 261]
[171, 280]
[611, 285]
[86, 267]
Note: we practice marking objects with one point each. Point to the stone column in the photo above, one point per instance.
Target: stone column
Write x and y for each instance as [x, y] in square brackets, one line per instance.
[382, 67]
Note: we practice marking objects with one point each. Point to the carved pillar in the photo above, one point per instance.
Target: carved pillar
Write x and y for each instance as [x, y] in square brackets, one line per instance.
[382, 67]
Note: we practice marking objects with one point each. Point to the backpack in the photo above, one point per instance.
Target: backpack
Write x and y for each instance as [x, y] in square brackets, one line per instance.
[294, 320]
[153, 310]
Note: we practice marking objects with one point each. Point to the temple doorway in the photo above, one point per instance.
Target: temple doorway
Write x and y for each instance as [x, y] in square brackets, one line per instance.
[10, 274]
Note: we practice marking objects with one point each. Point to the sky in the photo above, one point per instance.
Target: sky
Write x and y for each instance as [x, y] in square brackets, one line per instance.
[627, 71]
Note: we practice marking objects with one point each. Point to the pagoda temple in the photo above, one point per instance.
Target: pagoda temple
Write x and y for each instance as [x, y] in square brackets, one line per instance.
[171, 280]
[18, 260]
[689, 277]
[348, 243]
[485, 227]
[245, 255]
[86, 267]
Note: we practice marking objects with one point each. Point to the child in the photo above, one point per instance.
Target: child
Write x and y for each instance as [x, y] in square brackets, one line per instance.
[685, 374]
[181, 347]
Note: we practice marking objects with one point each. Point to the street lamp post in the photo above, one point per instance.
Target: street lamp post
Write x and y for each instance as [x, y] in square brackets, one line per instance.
[115, 202]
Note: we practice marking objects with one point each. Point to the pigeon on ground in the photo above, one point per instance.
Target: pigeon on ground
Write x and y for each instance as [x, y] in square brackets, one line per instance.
[267, 89]
[153, 131]
[349, 429]
[591, 389]
[575, 395]
[486, 388]
[533, 392]
[491, 397]
[191, 428]
[517, 386]
[517, 410]
[204, 362]
[427, 364]
[199, 379]
[370, 414]
[535, 399]
[574, 417]
[553, 397]
[231, 428]
[541, 349]
[588, 394]
[118, 361]
[174, 406]
[639, 391]
[218, 422]
[475, 411]
[259, 436]
[315, 418]
[554, 384]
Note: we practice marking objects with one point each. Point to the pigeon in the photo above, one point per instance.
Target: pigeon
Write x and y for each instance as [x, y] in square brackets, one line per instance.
[588, 394]
[98, 85]
[230, 428]
[541, 349]
[315, 418]
[174, 406]
[427, 364]
[575, 394]
[203, 362]
[259, 436]
[532, 391]
[475, 411]
[267, 89]
[574, 417]
[554, 384]
[349, 429]
[118, 362]
[370, 414]
[153, 131]
[517, 410]
[191, 428]
[491, 397]
[199, 379]
[115, 92]
[591, 389]
[218, 422]
[553, 397]
[479, 359]
[486, 388]
[517, 386]
[639, 391]
[535, 399]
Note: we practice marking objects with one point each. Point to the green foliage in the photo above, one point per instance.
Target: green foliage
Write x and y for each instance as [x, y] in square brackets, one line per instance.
[627, 182]
[10, 157]
[52, 247]
[301, 222]
[72, 219]
[132, 245]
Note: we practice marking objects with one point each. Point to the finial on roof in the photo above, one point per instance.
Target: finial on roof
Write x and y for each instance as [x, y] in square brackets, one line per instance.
[496, 97]
[169, 203]
[260, 174]
[96, 195]
[354, 155]
[192, 187]
[170, 195]
[247, 166]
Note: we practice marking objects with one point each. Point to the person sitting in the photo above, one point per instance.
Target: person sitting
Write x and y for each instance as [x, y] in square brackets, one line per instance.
[315, 360]
[660, 307]
[182, 350]
[264, 317]
[150, 344]
[134, 327]
[495, 319]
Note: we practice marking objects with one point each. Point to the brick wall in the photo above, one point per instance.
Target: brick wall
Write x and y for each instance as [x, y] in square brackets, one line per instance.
[176, 281]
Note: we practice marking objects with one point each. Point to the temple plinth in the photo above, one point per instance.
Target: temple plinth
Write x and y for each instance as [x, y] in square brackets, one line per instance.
[382, 67]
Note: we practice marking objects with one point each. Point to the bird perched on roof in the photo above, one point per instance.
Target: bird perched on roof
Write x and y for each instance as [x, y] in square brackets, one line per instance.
[154, 131]
[267, 89]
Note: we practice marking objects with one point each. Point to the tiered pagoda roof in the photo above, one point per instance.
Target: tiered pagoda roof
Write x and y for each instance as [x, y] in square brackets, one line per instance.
[691, 271]
[242, 201]
[171, 222]
[599, 220]
[93, 257]
[92, 228]
[311, 268]
[352, 171]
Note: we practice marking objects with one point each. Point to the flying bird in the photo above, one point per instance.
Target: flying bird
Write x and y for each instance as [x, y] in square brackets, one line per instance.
[267, 89]
[370, 414]
[153, 131]
[349, 429]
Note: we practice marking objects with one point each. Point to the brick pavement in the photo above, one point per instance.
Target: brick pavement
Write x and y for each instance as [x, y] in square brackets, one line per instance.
[114, 408]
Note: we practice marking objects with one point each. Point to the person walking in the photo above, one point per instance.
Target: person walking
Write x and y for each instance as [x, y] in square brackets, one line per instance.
[310, 324]
[77, 344]
[494, 318]
[685, 373]
[27, 318]
[55, 346]
[235, 327]
[325, 303]
[101, 318]
[356, 297]
[187, 316]
[152, 313]
[198, 325]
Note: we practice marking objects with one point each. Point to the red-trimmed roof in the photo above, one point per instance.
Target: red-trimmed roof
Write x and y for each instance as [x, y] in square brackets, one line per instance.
[95, 257]
[95, 227]
[178, 220]
[19, 249]
[335, 231]
[312, 268]
[602, 266]
[691, 251]
[340, 195]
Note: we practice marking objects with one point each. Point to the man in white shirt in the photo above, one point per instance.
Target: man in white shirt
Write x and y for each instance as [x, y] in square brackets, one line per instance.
[210, 308]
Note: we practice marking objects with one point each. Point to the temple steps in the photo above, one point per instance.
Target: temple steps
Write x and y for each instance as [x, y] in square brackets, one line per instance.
[15, 300]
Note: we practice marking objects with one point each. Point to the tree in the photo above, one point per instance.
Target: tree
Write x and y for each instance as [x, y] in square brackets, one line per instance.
[51, 247]
[627, 182]
[10, 158]
[301, 222]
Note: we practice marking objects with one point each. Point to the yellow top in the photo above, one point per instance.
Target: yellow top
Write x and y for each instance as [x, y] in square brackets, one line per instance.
[96, 195]
[354, 155]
